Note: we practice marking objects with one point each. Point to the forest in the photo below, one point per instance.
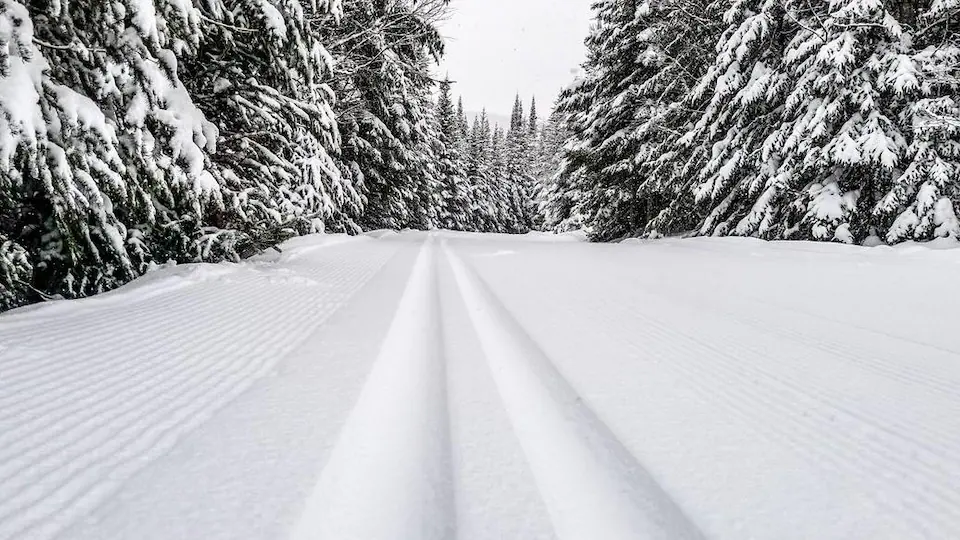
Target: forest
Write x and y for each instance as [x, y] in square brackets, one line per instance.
[138, 132]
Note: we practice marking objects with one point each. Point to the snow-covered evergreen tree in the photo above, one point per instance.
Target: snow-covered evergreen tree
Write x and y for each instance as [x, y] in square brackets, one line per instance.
[638, 66]
[500, 187]
[101, 146]
[463, 122]
[261, 78]
[483, 194]
[533, 123]
[517, 180]
[546, 168]
[455, 213]
[925, 196]
[134, 131]
[384, 108]
[832, 120]
[813, 127]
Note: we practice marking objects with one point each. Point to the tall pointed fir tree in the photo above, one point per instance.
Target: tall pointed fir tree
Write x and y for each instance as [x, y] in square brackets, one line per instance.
[462, 119]
[499, 192]
[454, 187]
[923, 199]
[533, 121]
[517, 182]
[615, 113]
[547, 166]
[483, 203]
[261, 77]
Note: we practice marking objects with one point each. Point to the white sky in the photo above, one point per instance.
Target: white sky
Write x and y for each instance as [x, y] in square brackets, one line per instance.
[496, 48]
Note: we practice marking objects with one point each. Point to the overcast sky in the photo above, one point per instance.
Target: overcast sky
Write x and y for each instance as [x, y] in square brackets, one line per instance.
[496, 48]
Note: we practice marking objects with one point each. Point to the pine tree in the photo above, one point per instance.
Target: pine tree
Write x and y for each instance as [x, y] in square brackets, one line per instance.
[462, 119]
[260, 78]
[833, 146]
[925, 196]
[483, 196]
[134, 131]
[501, 186]
[616, 111]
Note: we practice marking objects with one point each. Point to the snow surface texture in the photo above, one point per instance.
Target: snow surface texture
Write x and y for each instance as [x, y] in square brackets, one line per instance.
[435, 386]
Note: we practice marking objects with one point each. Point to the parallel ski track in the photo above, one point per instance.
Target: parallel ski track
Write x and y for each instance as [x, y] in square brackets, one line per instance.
[496, 493]
[590, 482]
[389, 476]
[72, 433]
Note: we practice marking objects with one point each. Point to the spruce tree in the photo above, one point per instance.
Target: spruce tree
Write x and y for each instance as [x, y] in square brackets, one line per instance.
[815, 110]
[518, 181]
[830, 120]
[483, 203]
[100, 144]
[550, 193]
[454, 188]
[534, 124]
[139, 131]
[501, 191]
[260, 78]
[382, 80]
[462, 120]
[615, 111]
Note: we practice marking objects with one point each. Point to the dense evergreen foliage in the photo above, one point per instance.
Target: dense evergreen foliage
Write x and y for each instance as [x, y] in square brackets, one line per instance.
[135, 132]
[834, 120]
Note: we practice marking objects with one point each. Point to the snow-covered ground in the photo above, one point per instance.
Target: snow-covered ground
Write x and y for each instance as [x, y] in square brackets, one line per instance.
[435, 386]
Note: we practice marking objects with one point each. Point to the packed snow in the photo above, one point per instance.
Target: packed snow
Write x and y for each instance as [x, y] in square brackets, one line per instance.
[449, 385]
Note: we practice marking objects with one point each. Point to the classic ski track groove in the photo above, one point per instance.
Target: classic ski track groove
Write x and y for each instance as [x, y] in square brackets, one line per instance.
[74, 448]
[616, 493]
[392, 457]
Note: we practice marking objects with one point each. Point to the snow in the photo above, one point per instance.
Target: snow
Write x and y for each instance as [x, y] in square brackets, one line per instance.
[274, 20]
[452, 385]
[21, 116]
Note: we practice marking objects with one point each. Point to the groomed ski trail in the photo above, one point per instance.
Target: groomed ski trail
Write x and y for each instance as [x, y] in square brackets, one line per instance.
[392, 459]
[429, 386]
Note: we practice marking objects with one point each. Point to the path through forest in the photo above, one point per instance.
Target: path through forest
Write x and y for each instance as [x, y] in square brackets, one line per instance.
[444, 385]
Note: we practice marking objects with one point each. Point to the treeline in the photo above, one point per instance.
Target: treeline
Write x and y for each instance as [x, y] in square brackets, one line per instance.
[134, 132]
[491, 175]
[829, 120]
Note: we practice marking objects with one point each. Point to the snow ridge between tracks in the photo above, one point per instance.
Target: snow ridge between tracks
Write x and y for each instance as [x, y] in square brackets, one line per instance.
[592, 485]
